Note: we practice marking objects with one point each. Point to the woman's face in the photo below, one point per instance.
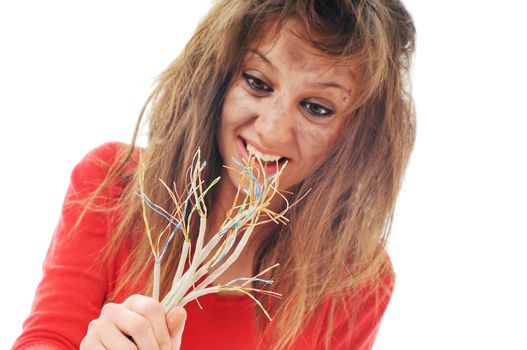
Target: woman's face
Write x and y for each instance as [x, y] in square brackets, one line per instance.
[288, 103]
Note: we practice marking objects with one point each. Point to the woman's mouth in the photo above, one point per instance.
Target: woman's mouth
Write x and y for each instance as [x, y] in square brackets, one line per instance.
[271, 162]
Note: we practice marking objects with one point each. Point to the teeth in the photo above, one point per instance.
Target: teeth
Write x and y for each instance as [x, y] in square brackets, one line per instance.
[262, 156]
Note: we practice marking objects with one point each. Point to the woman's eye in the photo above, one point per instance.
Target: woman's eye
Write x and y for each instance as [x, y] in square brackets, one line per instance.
[317, 110]
[256, 84]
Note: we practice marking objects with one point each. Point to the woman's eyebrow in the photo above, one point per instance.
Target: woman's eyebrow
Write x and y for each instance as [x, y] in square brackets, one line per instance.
[265, 59]
[324, 85]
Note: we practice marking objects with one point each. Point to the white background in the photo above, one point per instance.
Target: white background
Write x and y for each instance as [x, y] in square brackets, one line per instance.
[74, 75]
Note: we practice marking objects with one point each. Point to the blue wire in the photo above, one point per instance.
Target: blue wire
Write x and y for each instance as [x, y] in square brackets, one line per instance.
[246, 169]
[163, 213]
[172, 234]
[184, 211]
[226, 251]
[249, 279]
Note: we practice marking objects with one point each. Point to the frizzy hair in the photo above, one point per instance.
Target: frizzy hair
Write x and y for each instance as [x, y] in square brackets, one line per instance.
[347, 215]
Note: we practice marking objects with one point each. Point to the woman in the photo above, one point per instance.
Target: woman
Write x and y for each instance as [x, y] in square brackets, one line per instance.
[319, 84]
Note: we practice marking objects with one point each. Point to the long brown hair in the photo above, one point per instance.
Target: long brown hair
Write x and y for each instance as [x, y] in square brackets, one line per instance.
[347, 214]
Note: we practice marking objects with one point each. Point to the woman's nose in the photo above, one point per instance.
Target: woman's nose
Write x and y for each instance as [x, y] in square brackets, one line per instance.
[275, 123]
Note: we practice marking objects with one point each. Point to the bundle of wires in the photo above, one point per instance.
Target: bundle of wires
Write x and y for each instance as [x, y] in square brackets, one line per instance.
[209, 260]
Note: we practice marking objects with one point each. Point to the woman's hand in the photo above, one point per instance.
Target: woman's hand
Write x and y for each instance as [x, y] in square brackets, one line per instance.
[138, 323]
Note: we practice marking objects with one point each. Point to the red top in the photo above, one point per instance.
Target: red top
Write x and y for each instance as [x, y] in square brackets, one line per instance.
[74, 288]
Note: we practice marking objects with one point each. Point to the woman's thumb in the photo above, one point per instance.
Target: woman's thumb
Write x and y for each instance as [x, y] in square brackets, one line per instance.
[176, 323]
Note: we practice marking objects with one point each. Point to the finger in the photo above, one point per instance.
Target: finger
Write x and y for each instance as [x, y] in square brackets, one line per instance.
[91, 344]
[132, 324]
[154, 312]
[176, 323]
[111, 338]
[103, 334]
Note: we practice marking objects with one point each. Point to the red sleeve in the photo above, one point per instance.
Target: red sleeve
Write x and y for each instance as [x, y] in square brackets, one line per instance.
[74, 285]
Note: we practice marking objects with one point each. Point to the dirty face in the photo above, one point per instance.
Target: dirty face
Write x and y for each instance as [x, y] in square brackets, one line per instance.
[288, 103]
